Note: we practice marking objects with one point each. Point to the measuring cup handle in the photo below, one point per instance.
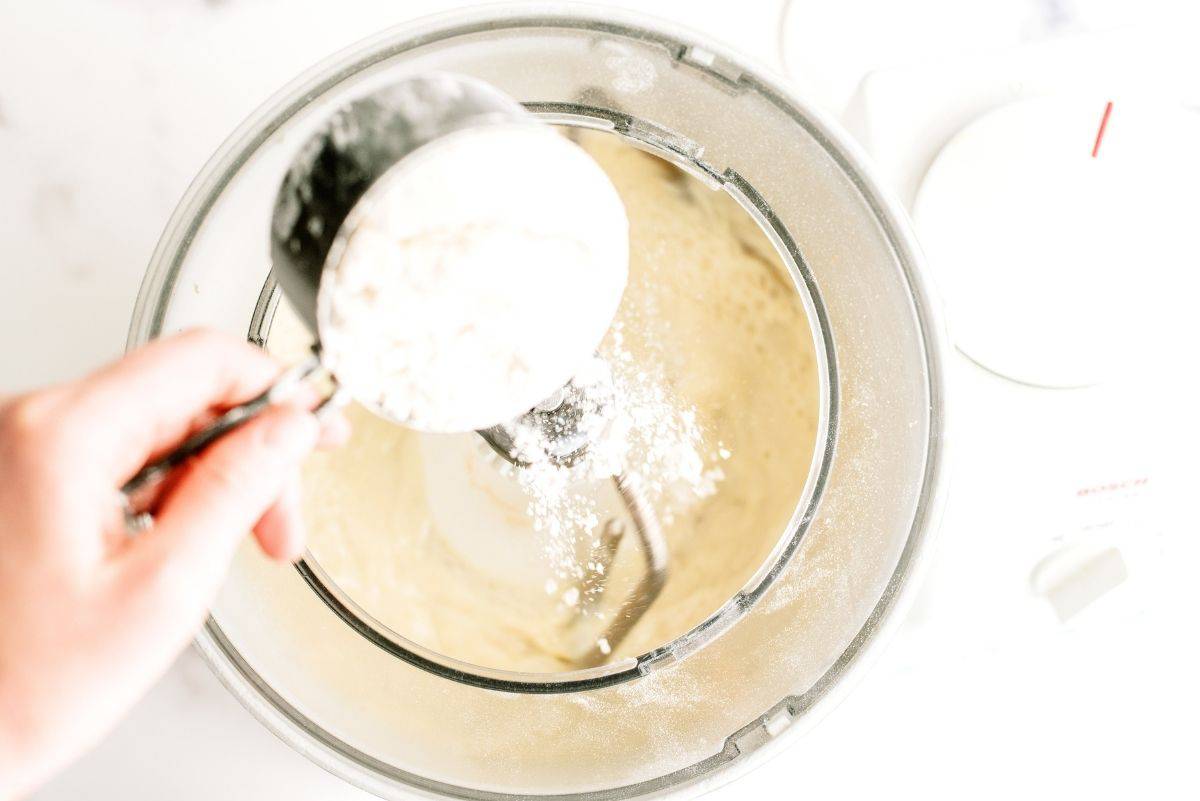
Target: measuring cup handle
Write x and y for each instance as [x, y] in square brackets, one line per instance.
[137, 491]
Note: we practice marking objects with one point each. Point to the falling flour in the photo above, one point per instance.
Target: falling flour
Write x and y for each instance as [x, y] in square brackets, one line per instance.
[477, 275]
[641, 431]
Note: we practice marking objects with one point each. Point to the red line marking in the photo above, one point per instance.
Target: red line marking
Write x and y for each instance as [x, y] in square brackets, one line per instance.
[1103, 125]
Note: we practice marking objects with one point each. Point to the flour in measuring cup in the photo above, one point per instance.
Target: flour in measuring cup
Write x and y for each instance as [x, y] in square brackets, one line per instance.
[475, 278]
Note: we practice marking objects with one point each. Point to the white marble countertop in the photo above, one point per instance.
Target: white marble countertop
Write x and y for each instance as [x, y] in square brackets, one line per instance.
[107, 110]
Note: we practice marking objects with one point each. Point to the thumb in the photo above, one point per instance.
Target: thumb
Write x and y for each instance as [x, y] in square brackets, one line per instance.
[225, 491]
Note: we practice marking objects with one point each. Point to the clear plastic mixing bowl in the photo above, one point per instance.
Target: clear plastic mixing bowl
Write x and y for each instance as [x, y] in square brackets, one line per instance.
[756, 673]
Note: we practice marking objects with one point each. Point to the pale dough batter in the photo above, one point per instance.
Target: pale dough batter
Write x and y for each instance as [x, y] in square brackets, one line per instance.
[430, 536]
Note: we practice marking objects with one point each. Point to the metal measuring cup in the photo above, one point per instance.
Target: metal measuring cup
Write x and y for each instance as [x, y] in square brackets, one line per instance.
[330, 174]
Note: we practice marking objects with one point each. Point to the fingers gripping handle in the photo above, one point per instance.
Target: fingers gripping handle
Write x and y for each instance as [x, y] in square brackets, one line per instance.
[139, 490]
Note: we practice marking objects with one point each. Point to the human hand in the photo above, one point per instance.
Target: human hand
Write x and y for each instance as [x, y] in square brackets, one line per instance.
[92, 617]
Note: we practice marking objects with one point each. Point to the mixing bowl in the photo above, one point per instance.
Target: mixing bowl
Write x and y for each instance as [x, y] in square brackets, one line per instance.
[759, 670]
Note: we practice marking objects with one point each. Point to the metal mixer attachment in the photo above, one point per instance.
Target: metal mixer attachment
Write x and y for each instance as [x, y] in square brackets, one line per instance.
[561, 430]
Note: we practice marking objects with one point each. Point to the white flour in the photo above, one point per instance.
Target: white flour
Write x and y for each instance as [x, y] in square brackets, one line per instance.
[480, 273]
[649, 434]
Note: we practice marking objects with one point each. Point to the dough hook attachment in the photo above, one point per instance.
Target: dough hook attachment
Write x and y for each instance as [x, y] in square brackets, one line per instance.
[561, 430]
